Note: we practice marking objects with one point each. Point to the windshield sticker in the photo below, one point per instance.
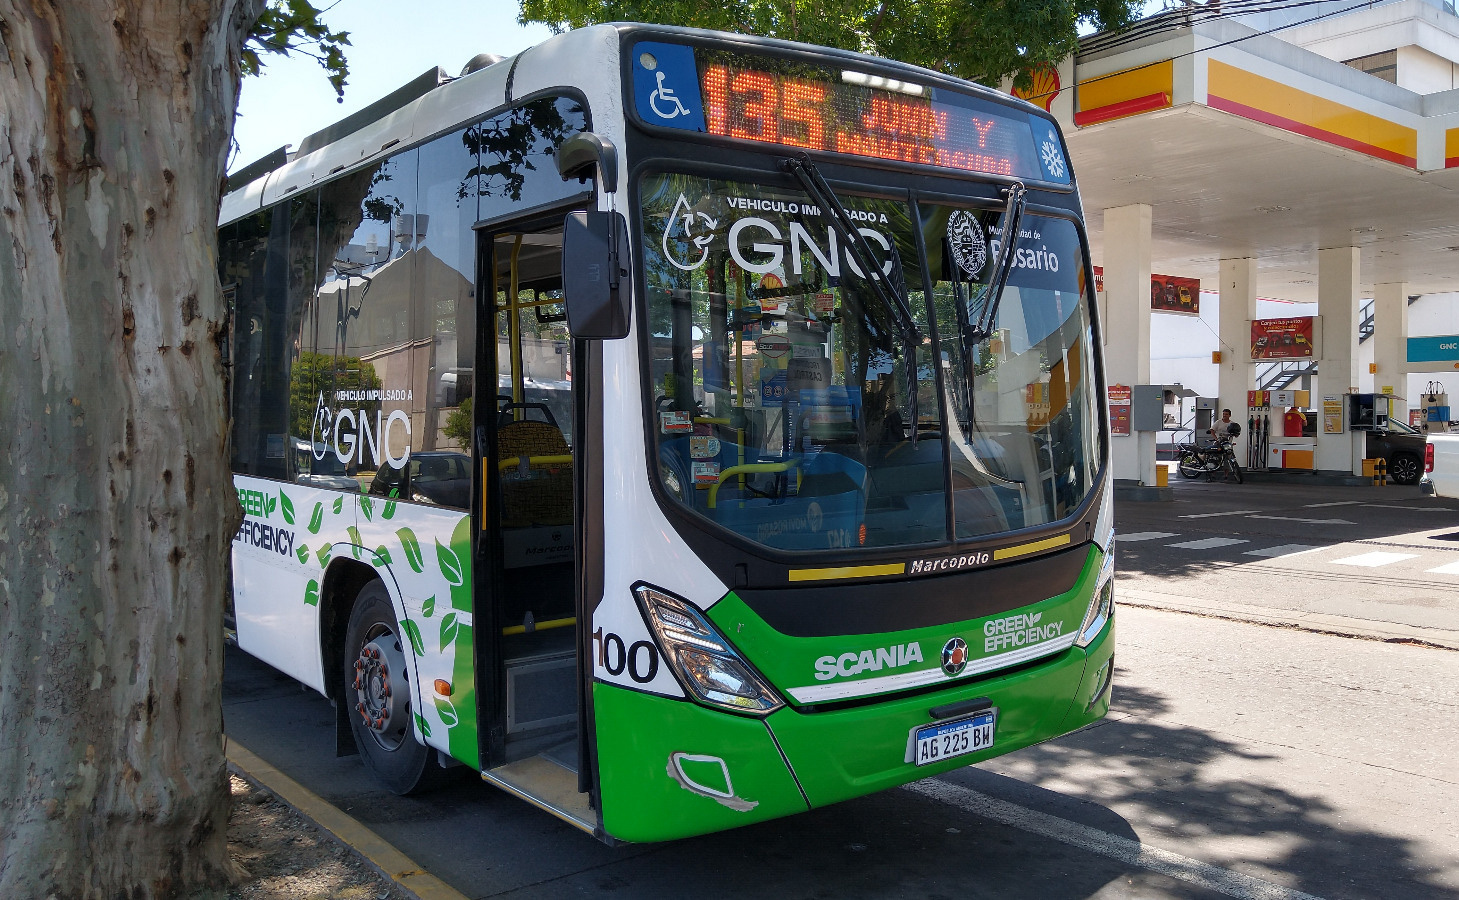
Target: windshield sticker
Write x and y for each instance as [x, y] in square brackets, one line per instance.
[759, 245]
[676, 421]
[965, 237]
[348, 433]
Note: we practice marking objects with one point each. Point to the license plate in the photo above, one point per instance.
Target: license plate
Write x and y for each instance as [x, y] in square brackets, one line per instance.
[942, 740]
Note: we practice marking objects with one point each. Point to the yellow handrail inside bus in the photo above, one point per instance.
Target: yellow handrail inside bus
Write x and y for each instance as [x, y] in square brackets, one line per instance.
[544, 625]
[749, 468]
[515, 461]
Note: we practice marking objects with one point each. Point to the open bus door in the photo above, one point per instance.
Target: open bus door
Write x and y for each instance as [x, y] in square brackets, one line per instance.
[529, 663]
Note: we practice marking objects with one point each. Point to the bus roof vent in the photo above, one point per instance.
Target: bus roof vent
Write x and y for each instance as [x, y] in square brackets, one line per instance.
[481, 61]
[257, 169]
[415, 88]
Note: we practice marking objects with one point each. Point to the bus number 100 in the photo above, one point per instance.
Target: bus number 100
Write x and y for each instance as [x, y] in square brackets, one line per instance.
[640, 659]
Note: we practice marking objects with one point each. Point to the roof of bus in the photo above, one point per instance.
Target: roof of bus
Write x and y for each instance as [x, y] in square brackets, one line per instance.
[417, 111]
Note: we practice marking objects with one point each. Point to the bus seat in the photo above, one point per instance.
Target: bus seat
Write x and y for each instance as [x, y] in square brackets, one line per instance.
[541, 492]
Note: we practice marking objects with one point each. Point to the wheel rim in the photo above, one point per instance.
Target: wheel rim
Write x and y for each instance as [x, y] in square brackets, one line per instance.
[381, 688]
[1405, 469]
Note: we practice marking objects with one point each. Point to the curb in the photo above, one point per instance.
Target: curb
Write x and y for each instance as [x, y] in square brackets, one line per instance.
[1320, 623]
[376, 851]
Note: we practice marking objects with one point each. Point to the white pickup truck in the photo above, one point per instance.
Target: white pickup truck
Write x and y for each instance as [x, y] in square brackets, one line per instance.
[1441, 466]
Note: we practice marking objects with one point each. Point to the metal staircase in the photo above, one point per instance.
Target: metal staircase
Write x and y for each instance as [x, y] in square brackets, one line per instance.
[1278, 376]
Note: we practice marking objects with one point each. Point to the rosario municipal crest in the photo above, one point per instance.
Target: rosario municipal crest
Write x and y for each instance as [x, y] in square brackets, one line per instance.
[965, 239]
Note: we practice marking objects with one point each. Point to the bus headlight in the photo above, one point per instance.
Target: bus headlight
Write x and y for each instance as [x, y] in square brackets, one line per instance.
[1102, 604]
[713, 671]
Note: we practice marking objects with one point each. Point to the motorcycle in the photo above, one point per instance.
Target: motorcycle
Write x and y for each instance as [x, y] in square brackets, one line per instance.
[1195, 460]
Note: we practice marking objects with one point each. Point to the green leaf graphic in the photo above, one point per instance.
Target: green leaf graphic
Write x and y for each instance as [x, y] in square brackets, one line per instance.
[338, 505]
[449, 630]
[311, 593]
[382, 556]
[288, 507]
[322, 554]
[412, 549]
[268, 509]
[354, 534]
[367, 507]
[428, 608]
[389, 512]
[423, 725]
[450, 563]
[302, 553]
[447, 711]
[316, 520]
[412, 631]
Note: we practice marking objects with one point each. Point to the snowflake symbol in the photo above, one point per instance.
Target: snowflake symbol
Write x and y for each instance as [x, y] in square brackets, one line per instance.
[1053, 159]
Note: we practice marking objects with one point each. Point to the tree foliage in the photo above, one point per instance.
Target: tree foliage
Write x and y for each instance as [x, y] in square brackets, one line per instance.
[294, 27]
[980, 40]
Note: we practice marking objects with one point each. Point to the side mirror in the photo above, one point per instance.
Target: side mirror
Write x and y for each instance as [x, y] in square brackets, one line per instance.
[594, 272]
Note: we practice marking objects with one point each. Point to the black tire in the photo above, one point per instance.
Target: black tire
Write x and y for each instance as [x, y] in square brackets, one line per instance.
[1233, 468]
[381, 685]
[1188, 467]
[1404, 468]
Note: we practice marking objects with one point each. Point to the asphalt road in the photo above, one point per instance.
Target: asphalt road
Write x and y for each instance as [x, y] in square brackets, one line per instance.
[1239, 760]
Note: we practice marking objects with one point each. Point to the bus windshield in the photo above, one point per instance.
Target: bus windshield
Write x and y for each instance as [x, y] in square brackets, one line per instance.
[785, 407]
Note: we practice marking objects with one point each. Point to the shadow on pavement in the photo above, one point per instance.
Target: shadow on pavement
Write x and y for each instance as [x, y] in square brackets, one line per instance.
[1178, 781]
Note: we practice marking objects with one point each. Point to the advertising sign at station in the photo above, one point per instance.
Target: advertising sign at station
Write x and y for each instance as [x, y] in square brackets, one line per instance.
[1291, 338]
[1119, 409]
[1175, 295]
[1168, 293]
[1434, 348]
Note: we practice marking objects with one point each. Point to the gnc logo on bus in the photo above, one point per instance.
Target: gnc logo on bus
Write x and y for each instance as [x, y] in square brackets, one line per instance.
[347, 431]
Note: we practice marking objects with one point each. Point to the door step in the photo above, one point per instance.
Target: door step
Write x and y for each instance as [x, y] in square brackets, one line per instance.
[549, 786]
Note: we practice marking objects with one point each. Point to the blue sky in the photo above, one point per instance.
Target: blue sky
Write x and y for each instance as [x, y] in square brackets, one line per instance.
[392, 43]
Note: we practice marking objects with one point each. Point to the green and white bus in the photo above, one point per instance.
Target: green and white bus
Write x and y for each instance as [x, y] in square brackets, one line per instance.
[788, 478]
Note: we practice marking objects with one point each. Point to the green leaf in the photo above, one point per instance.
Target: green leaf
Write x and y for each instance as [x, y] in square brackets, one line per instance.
[412, 549]
[450, 563]
[382, 556]
[428, 608]
[389, 511]
[354, 534]
[322, 554]
[449, 629]
[338, 505]
[367, 507]
[316, 520]
[311, 593]
[447, 711]
[269, 506]
[423, 725]
[302, 553]
[288, 507]
[412, 631]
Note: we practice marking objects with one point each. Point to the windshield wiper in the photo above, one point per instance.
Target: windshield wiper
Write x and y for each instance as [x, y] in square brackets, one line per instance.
[980, 330]
[893, 298]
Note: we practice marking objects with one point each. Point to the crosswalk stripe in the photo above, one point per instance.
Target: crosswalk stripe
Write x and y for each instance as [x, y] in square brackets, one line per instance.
[1212, 515]
[1334, 503]
[1144, 536]
[1372, 560]
[1282, 550]
[1446, 569]
[1208, 543]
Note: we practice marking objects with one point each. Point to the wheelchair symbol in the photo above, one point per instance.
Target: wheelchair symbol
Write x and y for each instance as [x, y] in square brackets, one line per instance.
[667, 95]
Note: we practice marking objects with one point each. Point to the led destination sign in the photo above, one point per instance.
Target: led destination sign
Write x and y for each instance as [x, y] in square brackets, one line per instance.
[835, 110]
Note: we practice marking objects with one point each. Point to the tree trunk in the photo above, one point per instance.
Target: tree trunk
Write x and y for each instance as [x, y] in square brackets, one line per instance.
[116, 504]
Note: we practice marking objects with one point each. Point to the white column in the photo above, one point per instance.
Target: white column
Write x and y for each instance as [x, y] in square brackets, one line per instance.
[1390, 342]
[1337, 370]
[1127, 350]
[1237, 372]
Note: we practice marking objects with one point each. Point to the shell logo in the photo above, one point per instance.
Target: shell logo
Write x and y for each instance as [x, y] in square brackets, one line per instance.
[1043, 87]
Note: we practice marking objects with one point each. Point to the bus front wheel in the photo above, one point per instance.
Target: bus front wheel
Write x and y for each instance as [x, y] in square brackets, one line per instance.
[377, 692]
